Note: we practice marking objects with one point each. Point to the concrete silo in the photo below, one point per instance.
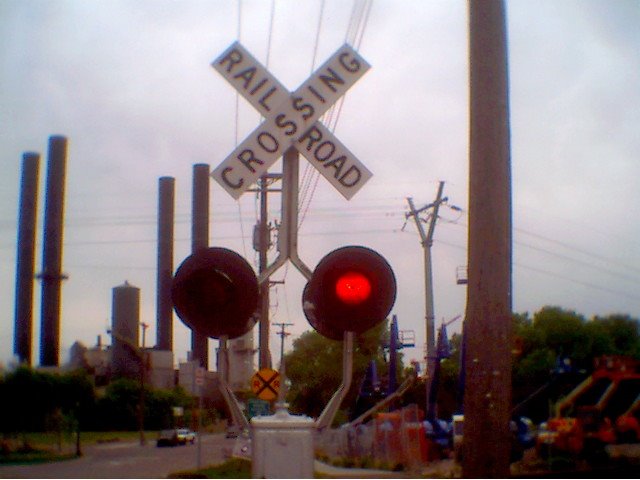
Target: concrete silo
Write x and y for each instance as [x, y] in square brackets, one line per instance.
[125, 331]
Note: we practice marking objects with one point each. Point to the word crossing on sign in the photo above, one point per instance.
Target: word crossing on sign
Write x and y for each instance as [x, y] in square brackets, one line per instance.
[291, 120]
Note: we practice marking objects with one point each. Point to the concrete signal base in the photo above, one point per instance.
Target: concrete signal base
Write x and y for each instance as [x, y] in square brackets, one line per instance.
[282, 445]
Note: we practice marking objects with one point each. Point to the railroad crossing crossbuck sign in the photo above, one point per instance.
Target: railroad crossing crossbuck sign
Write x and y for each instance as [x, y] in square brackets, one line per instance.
[291, 120]
[265, 383]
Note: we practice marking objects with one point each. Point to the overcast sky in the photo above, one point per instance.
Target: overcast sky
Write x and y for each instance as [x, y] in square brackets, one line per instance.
[131, 86]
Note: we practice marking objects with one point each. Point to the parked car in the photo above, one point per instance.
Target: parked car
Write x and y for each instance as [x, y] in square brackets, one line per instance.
[186, 436]
[168, 438]
[232, 431]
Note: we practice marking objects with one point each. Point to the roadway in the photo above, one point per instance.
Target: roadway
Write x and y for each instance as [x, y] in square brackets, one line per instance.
[128, 460]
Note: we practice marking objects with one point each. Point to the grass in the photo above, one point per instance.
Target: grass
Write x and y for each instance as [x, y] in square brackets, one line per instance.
[39, 447]
[51, 439]
[233, 468]
[38, 456]
[23, 452]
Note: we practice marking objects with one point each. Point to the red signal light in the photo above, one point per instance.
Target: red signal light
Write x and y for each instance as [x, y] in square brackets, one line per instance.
[353, 288]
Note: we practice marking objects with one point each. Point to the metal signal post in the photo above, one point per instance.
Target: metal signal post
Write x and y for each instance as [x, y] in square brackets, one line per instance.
[288, 237]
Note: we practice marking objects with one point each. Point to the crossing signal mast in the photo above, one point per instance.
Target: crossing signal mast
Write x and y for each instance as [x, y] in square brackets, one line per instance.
[215, 291]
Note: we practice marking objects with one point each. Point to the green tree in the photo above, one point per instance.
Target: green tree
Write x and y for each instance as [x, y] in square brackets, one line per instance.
[622, 332]
[33, 401]
[159, 407]
[555, 335]
[543, 342]
[28, 398]
[314, 367]
[117, 409]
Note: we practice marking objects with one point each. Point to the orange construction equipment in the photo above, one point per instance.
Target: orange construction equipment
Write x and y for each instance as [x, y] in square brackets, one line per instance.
[603, 409]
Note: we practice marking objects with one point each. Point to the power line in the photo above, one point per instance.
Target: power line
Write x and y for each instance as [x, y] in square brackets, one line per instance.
[307, 174]
[357, 23]
[573, 248]
[237, 115]
[579, 282]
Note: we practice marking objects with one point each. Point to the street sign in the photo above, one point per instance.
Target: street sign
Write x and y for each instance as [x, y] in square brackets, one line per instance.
[258, 408]
[178, 411]
[266, 384]
[291, 120]
[199, 376]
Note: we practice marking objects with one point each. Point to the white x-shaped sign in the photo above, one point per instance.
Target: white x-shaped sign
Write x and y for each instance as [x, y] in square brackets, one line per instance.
[291, 120]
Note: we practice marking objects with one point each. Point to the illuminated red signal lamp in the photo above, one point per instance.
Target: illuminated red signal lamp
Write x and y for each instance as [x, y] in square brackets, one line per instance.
[352, 289]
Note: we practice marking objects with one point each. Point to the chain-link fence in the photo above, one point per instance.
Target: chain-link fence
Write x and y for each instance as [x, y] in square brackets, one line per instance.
[391, 439]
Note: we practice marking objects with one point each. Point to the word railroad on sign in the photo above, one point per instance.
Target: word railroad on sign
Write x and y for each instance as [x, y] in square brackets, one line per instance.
[291, 120]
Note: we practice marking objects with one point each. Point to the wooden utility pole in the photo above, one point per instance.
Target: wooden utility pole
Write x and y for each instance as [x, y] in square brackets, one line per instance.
[282, 393]
[282, 334]
[264, 356]
[487, 327]
[262, 242]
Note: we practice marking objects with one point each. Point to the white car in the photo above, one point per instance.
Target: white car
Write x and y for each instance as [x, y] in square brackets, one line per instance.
[185, 436]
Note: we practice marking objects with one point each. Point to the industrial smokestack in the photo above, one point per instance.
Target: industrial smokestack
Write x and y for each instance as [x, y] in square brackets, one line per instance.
[164, 310]
[199, 240]
[52, 253]
[25, 257]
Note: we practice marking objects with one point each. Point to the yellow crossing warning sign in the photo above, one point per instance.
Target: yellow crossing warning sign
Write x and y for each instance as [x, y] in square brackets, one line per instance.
[266, 384]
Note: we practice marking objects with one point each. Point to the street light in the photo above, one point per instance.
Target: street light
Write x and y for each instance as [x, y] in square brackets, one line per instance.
[143, 360]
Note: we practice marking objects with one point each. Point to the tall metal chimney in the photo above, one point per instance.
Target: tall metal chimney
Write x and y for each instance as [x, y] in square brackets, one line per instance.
[164, 308]
[51, 275]
[199, 240]
[25, 257]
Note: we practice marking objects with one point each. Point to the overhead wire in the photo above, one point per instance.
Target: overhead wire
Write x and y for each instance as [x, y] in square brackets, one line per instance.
[365, 21]
[237, 126]
[256, 202]
[572, 249]
[355, 32]
[376, 211]
[308, 172]
[545, 272]
[269, 36]
[382, 231]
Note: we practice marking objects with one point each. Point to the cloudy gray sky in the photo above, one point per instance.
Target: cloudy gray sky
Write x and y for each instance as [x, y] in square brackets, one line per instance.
[130, 84]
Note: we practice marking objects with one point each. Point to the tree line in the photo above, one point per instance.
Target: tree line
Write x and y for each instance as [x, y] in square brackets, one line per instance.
[33, 401]
[553, 350]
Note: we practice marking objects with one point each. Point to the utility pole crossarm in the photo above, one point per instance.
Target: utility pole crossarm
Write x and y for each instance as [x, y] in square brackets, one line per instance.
[434, 215]
[427, 237]
[414, 213]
